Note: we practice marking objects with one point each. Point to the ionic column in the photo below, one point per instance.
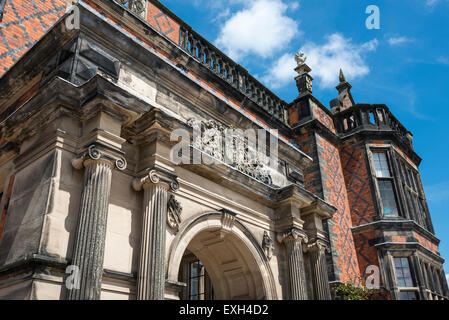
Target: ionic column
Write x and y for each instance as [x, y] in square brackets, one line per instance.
[317, 256]
[151, 275]
[88, 253]
[293, 241]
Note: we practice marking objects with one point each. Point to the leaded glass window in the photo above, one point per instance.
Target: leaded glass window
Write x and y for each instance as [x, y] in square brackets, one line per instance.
[404, 278]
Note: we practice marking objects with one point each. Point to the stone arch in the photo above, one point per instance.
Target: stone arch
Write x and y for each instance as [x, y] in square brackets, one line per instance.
[230, 253]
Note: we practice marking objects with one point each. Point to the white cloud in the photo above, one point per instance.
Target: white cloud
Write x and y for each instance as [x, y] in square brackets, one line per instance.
[437, 194]
[443, 60]
[431, 2]
[281, 72]
[325, 61]
[395, 41]
[338, 52]
[262, 28]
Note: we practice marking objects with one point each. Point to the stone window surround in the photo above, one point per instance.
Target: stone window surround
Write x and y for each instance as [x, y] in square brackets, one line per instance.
[416, 260]
[427, 265]
[394, 286]
[414, 288]
[393, 156]
[415, 191]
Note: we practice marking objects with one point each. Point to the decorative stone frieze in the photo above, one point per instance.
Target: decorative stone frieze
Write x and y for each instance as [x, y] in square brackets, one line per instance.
[151, 276]
[88, 253]
[226, 144]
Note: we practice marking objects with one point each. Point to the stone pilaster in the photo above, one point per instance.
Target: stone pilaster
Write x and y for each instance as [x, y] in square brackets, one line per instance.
[88, 253]
[151, 276]
[394, 290]
[294, 240]
[317, 255]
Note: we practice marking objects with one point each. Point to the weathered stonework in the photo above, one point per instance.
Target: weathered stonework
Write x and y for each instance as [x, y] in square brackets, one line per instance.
[87, 178]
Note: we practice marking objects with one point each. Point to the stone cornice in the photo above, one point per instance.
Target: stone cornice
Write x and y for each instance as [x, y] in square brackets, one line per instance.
[403, 246]
[406, 225]
[62, 94]
[32, 261]
[321, 208]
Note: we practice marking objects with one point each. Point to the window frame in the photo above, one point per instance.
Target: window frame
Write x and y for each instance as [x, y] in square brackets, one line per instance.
[387, 150]
[202, 280]
[415, 202]
[415, 287]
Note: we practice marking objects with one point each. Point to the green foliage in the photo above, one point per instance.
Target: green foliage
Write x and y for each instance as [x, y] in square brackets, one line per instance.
[349, 291]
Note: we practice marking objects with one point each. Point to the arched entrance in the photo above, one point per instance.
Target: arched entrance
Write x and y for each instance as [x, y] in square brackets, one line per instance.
[231, 256]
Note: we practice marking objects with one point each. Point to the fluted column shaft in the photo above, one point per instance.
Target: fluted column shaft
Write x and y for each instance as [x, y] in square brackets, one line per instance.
[296, 269]
[321, 290]
[151, 277]
[89, 247]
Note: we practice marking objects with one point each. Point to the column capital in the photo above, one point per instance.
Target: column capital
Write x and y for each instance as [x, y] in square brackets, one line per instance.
[95, 153]
[157, 176]
[294, 234]
[317, 245]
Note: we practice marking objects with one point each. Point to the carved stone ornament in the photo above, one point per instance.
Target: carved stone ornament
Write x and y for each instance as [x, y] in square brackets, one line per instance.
[267, 245]
[94, 153]
[294, 234]
[228, 145]
[300, 58]
[317, 245]
[136, 6]
[174, 213]
[157, 176]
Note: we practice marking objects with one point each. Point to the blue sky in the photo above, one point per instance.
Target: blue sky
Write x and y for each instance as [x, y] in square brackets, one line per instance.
[404, 64]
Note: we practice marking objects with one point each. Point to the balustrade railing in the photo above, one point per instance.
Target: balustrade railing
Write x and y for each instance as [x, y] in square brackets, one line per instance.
[234, 74]
[216, 61]
[370, 117]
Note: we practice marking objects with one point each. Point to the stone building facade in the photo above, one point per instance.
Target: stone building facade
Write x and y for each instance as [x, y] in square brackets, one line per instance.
[93, 207]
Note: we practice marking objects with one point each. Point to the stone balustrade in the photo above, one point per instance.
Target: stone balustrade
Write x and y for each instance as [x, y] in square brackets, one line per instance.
[371, 118]
[234, 74]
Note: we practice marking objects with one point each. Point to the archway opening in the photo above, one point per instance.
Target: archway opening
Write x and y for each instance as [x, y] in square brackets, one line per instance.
[216, 264]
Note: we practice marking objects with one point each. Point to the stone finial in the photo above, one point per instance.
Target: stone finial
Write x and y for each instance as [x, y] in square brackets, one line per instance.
[344, 92]
[303, 79]
[342, 77]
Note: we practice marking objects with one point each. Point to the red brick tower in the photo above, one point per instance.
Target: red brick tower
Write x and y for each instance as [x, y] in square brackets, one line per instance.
[314, 131]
